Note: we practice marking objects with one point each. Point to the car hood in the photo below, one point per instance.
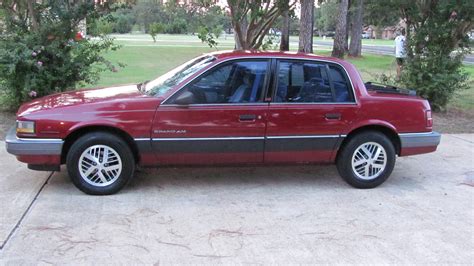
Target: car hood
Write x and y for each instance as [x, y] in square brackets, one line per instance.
[80, 97]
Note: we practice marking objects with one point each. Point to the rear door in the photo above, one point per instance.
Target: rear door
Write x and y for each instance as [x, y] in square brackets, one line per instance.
[313, 102]
[225, 121]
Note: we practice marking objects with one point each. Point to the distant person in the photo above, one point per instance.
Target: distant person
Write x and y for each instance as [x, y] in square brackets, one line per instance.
[400, 52]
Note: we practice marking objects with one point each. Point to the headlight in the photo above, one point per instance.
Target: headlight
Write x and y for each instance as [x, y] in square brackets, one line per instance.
[25, 127]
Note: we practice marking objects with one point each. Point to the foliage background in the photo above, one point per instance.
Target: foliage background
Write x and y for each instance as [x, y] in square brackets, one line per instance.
[45, 54]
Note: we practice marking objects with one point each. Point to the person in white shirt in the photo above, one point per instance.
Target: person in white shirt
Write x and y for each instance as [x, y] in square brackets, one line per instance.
[400, 52]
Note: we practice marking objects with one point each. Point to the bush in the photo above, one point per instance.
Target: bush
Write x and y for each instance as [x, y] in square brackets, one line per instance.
[122, 25]
[436, 45]
[436, 77]
[51, 58]
[178, 26]
[103, 27]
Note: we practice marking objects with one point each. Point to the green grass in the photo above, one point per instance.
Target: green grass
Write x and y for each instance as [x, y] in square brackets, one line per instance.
[146, 60]
[370, 66]
[145, 63]
[364, 41]
[465, 99]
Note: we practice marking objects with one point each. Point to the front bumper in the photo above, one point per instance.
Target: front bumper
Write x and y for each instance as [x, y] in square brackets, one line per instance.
[418, 143]
[31, 146]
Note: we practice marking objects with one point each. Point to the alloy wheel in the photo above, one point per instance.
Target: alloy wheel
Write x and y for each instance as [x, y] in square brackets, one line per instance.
[100, 165]
[369, 161]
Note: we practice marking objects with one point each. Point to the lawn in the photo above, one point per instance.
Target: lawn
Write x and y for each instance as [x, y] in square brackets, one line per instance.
[145, 60]
[144, 63]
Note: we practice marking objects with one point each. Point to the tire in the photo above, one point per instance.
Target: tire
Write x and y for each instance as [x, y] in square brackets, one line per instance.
[103, 178]
[357, 168]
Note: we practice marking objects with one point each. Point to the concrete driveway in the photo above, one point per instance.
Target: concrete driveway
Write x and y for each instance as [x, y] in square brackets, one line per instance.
[299, 214]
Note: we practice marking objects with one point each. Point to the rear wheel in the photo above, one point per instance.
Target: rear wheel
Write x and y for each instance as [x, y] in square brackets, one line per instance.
[100, 163]
[367, 160]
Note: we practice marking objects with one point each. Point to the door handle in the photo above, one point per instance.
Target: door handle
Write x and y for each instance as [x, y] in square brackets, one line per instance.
[247, 118]
[333, 116]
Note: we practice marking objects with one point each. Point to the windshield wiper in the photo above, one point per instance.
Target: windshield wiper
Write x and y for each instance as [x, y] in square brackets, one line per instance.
[141, 86]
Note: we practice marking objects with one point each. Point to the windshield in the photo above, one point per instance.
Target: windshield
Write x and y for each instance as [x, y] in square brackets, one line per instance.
[166, 82]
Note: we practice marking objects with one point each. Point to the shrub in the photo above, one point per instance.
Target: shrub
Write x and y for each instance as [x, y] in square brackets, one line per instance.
[51, 57]
[178, 26]
[103, 27]
[437, 43]
[122, 25]
[435, 77]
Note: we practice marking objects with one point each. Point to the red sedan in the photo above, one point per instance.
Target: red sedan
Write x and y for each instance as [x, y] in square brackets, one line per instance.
[227, 108]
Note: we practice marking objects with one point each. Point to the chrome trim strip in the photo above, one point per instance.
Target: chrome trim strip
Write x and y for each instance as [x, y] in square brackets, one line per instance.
[315, 103]
[416, 134]
[264, 57]
[33, 140]
[142, 139]
[248, 138]
[215, 104]
[219, 138]
[304, 137]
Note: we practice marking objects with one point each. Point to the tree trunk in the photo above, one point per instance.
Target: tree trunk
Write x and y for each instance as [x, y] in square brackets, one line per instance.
[240, 35]
[285, 32]
[355, 47]
[340, 36]
[348, 28]
[32, 13]
[306, 26]
[408, 38]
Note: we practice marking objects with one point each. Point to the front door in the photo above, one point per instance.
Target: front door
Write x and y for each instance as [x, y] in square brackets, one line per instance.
[313, 103]
[223, 120]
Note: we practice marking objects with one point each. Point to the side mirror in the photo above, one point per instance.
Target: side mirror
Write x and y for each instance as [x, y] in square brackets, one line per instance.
[185, 98]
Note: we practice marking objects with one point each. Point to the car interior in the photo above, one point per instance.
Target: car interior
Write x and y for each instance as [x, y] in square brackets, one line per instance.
[310, 82]
[243, 82]
[240, 82]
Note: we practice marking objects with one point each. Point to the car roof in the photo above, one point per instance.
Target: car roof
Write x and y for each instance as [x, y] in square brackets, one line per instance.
[228, 54]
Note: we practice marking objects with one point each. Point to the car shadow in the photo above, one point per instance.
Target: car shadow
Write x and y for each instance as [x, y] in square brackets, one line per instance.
[241, 177]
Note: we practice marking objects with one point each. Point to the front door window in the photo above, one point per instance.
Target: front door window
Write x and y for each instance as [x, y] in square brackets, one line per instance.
[235, 82]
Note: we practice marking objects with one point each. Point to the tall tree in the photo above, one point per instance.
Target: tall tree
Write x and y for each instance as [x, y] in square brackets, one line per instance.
[306, 26]
[285, 30]
[348, 25]
[252, 19]
[340, 36]
[355, 47]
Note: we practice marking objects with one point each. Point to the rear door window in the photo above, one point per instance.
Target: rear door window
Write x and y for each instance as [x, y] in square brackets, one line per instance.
[311, 82]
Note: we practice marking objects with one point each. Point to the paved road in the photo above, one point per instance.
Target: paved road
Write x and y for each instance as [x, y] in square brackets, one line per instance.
[305, 214]
[386, 50]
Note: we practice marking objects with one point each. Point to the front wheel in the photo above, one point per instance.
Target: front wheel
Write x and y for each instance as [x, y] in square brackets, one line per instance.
[367, 160]
[100, 163]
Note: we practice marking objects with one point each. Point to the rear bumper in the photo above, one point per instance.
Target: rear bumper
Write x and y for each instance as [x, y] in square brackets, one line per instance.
[418, 143]
[32, 146]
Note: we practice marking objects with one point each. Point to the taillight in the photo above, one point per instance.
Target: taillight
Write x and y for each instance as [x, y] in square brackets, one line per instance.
[429, 119]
